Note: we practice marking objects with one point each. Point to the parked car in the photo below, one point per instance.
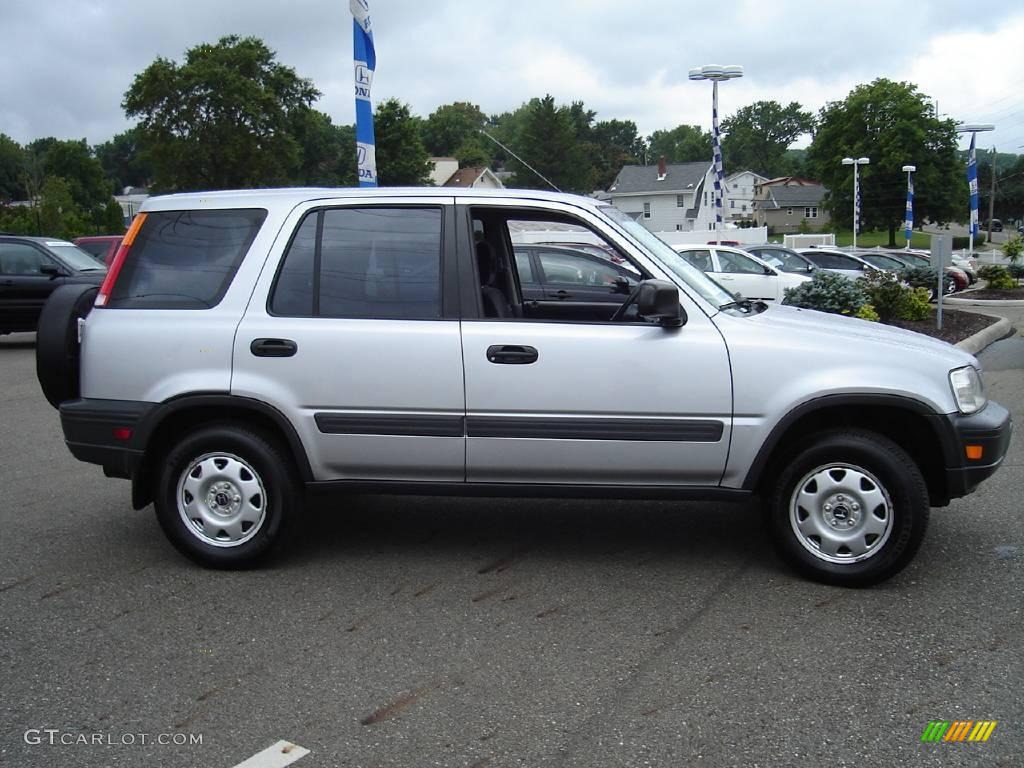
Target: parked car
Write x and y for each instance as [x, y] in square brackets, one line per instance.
[781, 258]
[31, 268]
[591, 248]
[845, 264]
[249, 349]
[995, 225]
[103, 247]
[739, 272]
[565, 282]
[896, 262]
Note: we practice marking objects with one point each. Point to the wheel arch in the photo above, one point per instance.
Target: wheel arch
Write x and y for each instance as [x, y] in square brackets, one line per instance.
[909, 423]
[175, 417]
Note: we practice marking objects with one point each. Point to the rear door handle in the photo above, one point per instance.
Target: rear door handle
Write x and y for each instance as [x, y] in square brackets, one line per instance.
[273, 347]
[511, 354]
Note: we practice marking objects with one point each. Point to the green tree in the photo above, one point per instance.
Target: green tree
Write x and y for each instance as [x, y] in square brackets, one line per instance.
[59, 214]
[402, 160]
[123, 161]
[73, 162]
[220, 119]
[12, 170]
[682, 144]
[453, 130]
[327, 154]
[892, 124]
[548, 142]
[614, 143]
[759, 134]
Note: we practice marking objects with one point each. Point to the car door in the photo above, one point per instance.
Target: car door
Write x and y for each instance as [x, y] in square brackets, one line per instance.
[353, 333]
[742, 274]
[24, 288]
[562, 401]
[575, 283]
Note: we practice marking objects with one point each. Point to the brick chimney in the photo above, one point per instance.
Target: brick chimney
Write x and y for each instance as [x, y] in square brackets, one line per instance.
[662, 168]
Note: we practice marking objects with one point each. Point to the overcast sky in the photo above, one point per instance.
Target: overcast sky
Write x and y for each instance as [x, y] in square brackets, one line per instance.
[67, 63]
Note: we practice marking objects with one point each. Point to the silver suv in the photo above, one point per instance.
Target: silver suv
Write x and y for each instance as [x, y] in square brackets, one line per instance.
[249, 348]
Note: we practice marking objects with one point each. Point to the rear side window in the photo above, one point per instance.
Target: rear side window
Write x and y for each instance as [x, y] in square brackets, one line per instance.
[363, 262]
[185, 259]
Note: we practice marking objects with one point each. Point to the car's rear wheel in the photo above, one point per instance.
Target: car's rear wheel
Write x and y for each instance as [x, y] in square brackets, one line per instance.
[57, 347]
[851, 509]
[225, 495]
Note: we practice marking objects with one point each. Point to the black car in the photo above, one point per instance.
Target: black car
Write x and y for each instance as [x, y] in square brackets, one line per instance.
[571, 282]
[31, 268]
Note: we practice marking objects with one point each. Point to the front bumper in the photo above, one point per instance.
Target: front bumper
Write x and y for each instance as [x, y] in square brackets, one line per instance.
[990, 429]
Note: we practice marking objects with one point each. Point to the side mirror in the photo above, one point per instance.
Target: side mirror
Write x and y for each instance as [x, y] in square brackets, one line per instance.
[770, 271]
[622, 285]
[50, 269]
[659, 300]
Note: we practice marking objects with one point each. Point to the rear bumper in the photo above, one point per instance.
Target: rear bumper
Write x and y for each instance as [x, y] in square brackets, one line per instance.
[105, 432]
[990, 428]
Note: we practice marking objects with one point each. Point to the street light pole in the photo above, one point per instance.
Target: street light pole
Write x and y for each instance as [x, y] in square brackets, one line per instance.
[972, 177]
[716, 73]
[856, 192]
[909, 228]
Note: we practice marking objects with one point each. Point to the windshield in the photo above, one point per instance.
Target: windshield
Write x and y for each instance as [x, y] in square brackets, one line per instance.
[709, 290]
[787, 262]
[75, 257]
[882, 262]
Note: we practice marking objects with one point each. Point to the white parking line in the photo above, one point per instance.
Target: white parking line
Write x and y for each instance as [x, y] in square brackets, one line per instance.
[275, 756]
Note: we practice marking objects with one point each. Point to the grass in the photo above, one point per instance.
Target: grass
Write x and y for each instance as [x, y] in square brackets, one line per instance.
[871, 239]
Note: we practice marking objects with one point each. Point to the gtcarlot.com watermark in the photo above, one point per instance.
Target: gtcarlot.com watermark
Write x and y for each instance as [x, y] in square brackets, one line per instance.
[57, 737]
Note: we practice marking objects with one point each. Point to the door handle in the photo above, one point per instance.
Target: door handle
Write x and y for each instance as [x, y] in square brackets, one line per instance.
[511, 354]
[273, 347]
[562, 295]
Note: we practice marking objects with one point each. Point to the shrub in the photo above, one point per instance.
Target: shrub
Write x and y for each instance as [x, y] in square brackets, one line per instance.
[920, 277]
[887, 295]
[961, 242]
[917, 306]
[867, 312]
[998, 277]
[1014, 248]
[1016, 271]
[827, 292]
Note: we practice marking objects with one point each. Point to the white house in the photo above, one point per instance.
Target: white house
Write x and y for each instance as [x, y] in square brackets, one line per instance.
[666, 197]
[446, 173]
[741, 188]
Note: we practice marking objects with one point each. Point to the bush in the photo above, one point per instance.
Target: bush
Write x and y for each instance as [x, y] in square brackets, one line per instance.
[1013, 249]
[828, 292]
[990, 271]
[917, 307]
[892, 299]
[1016, 271]
[867, 312]
[921, 277]
[961, 242]
[998, 277]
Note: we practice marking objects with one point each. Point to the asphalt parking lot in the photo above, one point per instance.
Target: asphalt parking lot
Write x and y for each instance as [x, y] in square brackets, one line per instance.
[475, 632]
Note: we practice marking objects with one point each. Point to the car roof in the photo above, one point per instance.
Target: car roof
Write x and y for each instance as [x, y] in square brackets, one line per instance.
[292, 196]
[36, 239]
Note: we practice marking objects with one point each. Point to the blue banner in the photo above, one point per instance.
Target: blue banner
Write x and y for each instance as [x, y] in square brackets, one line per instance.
[716, 154]
[972, 184]
[909, 223]
[365, 62]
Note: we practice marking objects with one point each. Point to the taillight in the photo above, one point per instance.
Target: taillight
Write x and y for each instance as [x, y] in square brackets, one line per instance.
[115, 267]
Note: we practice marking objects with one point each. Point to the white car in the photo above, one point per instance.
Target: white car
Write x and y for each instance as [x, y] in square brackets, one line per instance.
[739, 272]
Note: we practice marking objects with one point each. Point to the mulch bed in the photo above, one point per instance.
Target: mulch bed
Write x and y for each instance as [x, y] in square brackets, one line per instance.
[956, 324]
[987, 293]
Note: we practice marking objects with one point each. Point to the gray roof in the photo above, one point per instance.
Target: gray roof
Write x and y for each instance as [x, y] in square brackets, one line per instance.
[679, 177]
[784, 196]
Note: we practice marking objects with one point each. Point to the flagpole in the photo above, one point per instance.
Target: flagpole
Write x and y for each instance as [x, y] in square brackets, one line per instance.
[364, 60]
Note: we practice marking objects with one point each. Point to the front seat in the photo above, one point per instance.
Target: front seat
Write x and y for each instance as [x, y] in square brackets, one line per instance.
[494, 302]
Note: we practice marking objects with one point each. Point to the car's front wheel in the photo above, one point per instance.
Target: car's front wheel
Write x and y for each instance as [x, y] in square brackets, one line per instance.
[225, 494]
[850, 509]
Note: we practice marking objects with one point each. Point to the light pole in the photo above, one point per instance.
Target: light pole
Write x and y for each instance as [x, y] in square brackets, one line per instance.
[972, 175]
[909, 170]
[856, 192]
[716, 73]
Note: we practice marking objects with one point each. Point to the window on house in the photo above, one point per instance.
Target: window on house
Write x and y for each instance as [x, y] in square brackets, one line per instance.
[811, 213]
[789, 211]
[680, 203]
[679, 227]
[744, 209]
[732, 204]
[647, 210]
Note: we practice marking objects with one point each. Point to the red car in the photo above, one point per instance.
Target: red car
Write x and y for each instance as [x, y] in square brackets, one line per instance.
[103, 247]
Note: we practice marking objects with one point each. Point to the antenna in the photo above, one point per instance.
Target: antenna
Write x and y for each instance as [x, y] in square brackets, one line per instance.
[517, 157]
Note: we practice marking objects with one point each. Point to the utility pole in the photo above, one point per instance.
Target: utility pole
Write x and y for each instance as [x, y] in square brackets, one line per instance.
[992, 196]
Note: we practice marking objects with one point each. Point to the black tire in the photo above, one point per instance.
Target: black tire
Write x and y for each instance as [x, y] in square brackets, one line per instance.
[274, 475]
[57, 348]
[866, 459]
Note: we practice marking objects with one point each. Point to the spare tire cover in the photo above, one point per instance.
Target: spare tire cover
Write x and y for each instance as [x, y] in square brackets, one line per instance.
[57, 346]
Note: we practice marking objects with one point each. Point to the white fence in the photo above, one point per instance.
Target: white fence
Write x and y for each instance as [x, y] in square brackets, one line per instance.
[806, 241]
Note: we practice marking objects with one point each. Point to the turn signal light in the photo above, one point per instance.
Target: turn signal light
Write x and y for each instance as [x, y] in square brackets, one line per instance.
[115, 266]
[974, 452]
[122, 433]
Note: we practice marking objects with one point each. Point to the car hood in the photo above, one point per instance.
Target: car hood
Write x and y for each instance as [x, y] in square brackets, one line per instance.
[808, 326]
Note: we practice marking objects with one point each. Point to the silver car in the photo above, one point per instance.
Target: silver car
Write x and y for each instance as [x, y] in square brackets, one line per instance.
[249, 349]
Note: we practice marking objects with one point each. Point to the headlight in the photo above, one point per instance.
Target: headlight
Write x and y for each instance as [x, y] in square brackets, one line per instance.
[967, 389]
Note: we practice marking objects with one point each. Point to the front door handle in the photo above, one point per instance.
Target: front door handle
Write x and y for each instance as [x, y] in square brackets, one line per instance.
[511, 354]
[562, 295]
[273, 347]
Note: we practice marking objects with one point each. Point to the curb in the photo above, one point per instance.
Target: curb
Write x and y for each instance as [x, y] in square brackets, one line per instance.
[982, 302]
[998, 330]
